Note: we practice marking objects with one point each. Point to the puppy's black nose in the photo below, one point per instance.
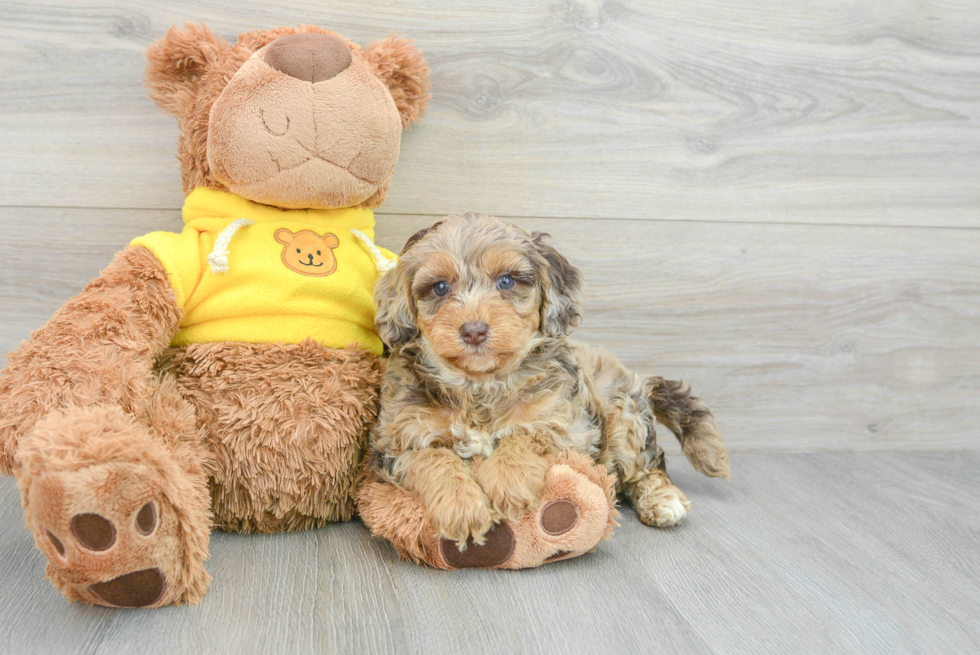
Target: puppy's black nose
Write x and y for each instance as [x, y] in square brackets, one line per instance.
[474, 332]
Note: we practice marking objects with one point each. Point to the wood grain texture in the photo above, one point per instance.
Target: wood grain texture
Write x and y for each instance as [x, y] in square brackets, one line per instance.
[826, 553]
[800, 337]
[831, 112]
[776, 201]
[869, 552]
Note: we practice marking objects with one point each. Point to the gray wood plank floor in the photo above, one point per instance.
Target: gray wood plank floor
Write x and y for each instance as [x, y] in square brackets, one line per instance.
[819, 552]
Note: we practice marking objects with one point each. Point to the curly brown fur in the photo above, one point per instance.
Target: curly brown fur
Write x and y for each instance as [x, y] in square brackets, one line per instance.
[507, 405]
[693, 423]
[513, 478]
[401, 517]
[458, 508]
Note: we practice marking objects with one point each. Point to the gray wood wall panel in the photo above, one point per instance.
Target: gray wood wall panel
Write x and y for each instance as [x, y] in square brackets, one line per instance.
[800, 337]
[830, 112]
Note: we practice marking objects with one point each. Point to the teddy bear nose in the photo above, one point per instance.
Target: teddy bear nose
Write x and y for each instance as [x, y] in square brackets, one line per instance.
[310, 57]
[474, 332]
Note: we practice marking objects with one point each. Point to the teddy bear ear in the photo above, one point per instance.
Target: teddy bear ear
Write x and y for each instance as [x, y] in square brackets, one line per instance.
[403, 70]
[177, 61]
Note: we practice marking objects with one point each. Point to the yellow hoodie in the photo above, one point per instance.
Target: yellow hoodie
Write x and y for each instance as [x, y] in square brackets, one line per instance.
[249, 272]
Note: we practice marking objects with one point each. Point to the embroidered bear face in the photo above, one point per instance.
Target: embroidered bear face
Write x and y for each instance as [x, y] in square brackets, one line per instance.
[308, 253]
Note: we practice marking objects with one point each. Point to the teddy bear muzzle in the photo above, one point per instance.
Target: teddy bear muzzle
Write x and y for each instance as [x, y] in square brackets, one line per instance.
[311, 57]
[290, 128]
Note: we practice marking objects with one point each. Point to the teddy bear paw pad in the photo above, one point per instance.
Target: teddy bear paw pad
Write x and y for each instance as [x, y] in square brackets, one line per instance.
[136, 589]
[93, 531]
[570, 521]
[497, 548]
[108, 533]
[559, 516]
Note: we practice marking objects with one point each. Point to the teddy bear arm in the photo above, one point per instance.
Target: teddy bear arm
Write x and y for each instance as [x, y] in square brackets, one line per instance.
[100, 347]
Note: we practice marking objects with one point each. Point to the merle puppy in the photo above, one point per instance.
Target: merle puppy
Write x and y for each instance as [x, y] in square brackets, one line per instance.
[483, 387]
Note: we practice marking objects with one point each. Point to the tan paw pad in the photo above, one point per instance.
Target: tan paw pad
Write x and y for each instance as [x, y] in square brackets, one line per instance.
[571, 520]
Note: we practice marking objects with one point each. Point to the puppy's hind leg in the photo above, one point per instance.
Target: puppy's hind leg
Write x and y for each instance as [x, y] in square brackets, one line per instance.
[629, 446]
[656, 500]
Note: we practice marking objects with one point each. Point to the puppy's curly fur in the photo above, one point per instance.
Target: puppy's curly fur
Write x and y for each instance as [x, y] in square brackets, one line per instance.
[483, 388]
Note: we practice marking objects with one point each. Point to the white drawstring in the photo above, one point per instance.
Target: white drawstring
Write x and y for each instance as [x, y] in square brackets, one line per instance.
[218, 259]
[382, 263]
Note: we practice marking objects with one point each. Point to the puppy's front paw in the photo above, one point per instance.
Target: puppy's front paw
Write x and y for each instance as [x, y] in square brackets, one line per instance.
[461, 513]
[513, 486]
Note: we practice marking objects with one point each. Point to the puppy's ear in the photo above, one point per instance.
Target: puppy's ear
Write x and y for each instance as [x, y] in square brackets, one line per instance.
[418, 236]
[175, 64]
[403, 70]
[561, 289]
[395, 317]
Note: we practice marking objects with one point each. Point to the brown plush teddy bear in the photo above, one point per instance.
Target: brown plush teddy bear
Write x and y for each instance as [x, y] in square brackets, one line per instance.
[224, 376]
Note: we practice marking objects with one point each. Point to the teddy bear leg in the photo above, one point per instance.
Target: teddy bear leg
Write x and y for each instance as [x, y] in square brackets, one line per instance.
[286, 424]
[577, 511]
[118, 507]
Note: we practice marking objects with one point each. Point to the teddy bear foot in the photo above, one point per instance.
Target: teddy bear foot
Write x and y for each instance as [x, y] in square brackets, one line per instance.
[109, 529]
[574, 515]
[557, 518]
[577, 512]
[108, 534]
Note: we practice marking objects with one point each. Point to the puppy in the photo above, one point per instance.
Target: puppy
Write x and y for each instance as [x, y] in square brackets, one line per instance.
[483, 388]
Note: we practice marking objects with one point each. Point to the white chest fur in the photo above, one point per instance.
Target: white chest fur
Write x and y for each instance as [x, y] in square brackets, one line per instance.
[469, 441]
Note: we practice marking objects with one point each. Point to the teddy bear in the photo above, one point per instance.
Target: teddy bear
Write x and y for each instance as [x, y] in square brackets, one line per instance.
[216, 377]
[225, 377]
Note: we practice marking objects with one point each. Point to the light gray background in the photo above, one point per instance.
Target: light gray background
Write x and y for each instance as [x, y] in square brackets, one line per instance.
[777, 202]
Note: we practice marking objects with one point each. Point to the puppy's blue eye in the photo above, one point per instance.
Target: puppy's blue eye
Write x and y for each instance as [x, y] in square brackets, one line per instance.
[505, 282]
[441, 288]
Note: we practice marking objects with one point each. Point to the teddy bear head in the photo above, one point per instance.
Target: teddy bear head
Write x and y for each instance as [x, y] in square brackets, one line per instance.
[288, 117]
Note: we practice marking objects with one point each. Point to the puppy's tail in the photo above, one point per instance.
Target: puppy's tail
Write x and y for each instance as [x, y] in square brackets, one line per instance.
[692, 422]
